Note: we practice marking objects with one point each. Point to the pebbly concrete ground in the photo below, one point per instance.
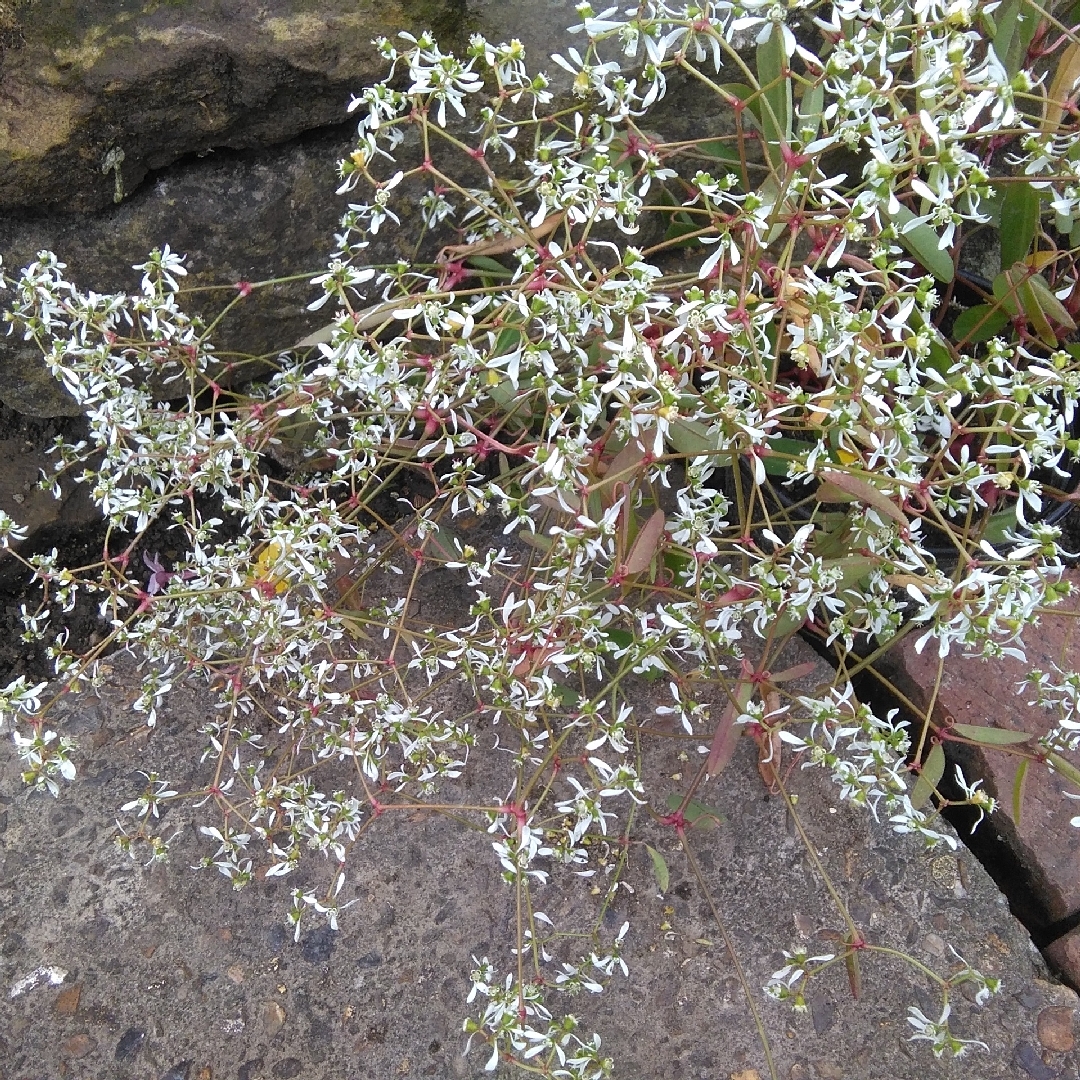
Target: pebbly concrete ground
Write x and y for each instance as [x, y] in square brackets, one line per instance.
[113, 972]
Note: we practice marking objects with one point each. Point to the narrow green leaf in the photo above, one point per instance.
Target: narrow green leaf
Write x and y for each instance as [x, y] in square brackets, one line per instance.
[1066, 768]
[1020, 211]
[991, 736]
[659, 868]
[930, 776]
[813, 101]
[622, 639]
[489, 266]
[1049, 304]
[980, 323]
[681, 227]
[940, 359]
[568, 696]
[1016, 21]
[922, 242]
[1018, 790]
[776, 110]
[508, 340]
[1000, 525]
[778, 466]
[749, 95]
[502, 393]
[1031, 301]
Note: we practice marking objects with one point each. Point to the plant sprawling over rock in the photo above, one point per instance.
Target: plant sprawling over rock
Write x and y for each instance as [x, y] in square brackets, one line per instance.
[702, 394]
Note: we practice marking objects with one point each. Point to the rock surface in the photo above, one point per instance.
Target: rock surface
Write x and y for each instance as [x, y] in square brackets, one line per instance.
[98, 93]
[48, 520]
[268, 211]
[180, 976]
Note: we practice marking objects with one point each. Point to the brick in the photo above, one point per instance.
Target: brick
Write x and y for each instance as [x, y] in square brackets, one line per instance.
[983, 692]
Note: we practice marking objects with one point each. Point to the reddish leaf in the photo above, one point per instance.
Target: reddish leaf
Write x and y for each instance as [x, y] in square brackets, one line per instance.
[867, 493]
[799, 671]
[646, 545]
[724, 741]
[854, 974]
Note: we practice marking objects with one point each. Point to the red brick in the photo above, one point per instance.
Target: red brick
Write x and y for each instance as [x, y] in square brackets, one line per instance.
[984, 692]
[1064, 955]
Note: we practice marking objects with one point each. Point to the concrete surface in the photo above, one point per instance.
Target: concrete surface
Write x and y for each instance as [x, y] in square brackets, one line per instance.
[168, 974]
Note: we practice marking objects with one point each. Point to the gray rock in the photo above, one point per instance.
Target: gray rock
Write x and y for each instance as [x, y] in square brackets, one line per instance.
[97, 94]
[152, 948]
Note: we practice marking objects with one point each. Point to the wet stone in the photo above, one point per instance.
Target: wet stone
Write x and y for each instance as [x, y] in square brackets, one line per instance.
[1055, 1028]
[129, 1044]
[78, 1046]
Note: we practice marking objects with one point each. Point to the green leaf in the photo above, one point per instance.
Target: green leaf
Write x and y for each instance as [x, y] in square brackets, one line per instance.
[778, 466]
[1066, 768]
[622, 639]
[489, 266]
[678, 232]
[659, 869]
[1049, 304]
[999, 525]
[1020, 211]
[939, 358]
[696, 813]
[502, 393]
[991, 736]
[748, 94]
[776, 111]
[569, 697]
[1018, 790]
[980, 323]
[692, 437]
[929, 777]
[813, 101]
[721, 150]
[508, 340]
[1015, 24]
[922, 242]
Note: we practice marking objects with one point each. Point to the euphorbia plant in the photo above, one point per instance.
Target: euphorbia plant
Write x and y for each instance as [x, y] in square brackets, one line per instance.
[711, 391]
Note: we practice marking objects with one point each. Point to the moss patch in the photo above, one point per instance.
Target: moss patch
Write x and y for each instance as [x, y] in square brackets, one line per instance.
[46, 120]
